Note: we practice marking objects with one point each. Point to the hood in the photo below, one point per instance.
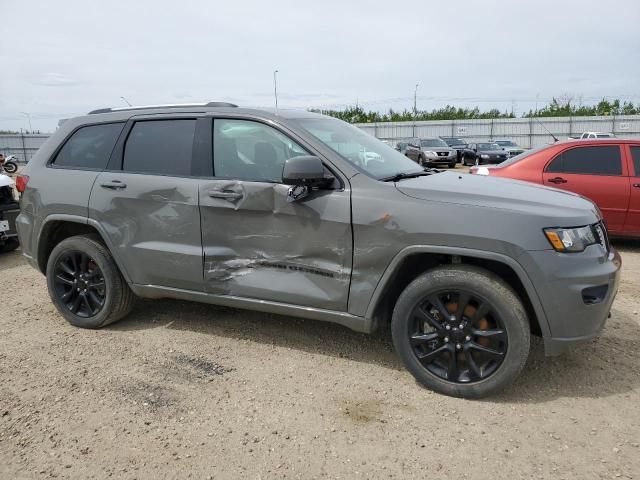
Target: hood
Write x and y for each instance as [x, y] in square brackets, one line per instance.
[437, 149]
[568, 208]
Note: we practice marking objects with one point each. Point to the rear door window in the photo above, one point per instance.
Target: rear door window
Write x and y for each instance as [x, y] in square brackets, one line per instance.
[160, 147]
[89, 147]
[595, 160]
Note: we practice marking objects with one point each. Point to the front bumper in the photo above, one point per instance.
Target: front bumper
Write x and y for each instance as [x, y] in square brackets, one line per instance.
[577, 291]
[433, 160]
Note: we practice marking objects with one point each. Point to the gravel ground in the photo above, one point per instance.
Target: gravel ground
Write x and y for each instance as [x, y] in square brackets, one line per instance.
[182, 390]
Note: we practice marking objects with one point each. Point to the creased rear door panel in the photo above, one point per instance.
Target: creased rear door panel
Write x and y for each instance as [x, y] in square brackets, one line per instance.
[257, 245]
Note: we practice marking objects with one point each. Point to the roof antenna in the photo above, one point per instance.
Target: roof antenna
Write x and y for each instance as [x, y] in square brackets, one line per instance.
[275, 88]
[125, 101]
[555, 139]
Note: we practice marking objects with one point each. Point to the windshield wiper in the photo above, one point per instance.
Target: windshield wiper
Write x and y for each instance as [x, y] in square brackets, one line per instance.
[402, 175]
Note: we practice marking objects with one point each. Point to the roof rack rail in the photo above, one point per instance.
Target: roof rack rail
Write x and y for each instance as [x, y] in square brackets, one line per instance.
[169, 105]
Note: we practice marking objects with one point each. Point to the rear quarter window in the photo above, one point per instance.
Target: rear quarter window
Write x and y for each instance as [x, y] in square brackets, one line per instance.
[592, 160]
[89, 147]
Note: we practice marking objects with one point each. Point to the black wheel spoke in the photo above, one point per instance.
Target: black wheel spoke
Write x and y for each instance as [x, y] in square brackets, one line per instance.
[421, 338]
[430, 356]
[496, 332]
[95, 299]
[463, 301]
[453, 371]
[471, 363]
[66, 281]
[424, 315]
[487, 350]
[64, 266]
[85, 300]
[96, 285]
[84, 264]
[481, 312]
[76, 304]
[436, 302]
[67, 295]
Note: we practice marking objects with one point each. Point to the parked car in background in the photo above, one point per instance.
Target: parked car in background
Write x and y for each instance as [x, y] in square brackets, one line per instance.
[593, 135]
[606, 171]
[458, 144]
[431, 152]
[483, 153]
[512, 148]
[202, 202]
[9, 210]
[402, 147]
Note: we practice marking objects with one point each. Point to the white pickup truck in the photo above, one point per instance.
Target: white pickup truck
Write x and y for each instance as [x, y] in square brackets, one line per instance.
[593, 135]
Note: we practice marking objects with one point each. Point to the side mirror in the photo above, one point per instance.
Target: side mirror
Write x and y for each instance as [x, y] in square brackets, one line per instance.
[305, 170]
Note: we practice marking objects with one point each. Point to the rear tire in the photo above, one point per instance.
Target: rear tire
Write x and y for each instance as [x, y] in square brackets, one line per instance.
[491, 327]
[81, 267]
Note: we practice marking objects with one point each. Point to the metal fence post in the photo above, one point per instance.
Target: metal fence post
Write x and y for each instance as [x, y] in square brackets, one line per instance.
[24, 147]
[530, 132]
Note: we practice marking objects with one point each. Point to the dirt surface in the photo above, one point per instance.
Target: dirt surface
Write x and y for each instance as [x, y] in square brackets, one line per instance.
[181, 390]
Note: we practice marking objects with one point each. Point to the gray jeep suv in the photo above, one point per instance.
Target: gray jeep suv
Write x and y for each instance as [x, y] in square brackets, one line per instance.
[299, 214]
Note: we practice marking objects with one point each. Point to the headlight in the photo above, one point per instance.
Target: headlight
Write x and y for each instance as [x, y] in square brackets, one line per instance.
[570, 239]
[484, 156]
[429, 152]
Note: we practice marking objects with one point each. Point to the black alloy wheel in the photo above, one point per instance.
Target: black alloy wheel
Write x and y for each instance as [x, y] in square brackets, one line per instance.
[79, 284]
[457, 336]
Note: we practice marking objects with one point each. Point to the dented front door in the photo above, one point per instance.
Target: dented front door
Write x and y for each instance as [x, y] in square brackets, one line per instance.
[257, 245]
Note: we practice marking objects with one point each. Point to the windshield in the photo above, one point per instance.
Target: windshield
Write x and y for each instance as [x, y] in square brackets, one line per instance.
[454, 141]
[489, 146]
[433, 142]
[359, 148]
[506, 143]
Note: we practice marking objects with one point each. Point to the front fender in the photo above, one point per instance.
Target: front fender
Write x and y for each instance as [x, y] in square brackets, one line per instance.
[397, 261]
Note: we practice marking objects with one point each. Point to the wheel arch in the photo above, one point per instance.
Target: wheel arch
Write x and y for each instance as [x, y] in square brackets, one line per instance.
[59, 227]
[412, 261]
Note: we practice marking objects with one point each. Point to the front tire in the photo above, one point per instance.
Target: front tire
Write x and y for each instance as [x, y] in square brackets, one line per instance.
[85, 283]
[461, 331]
[10, 167]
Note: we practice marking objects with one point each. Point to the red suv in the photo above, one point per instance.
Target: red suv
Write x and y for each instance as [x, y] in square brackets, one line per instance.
[606, 171]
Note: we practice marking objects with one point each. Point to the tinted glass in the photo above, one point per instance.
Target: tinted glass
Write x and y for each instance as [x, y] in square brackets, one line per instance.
[359, 148]
[162, 147]
[506, 143]
[247, 150]
[433, 142]
[635, 153]
[489, 146]
[89, 147]
[604, 160]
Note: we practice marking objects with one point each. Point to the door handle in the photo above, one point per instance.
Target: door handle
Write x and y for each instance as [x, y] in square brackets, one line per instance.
[227, 195]
[557, 180]
[114, 185]
[637, 185]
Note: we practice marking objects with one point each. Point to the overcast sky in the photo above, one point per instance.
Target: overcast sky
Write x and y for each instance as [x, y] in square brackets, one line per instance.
[63, 58]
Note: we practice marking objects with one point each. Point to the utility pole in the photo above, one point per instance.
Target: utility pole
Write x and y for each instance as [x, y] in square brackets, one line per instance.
[275, 87]
[29, 117]
[415, 108]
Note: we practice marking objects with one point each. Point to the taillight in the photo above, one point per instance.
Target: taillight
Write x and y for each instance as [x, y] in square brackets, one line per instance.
[21, 182]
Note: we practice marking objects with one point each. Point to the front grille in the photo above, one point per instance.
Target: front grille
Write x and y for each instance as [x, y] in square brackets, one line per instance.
[513, 153]
[600, 231]
[443, 154]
